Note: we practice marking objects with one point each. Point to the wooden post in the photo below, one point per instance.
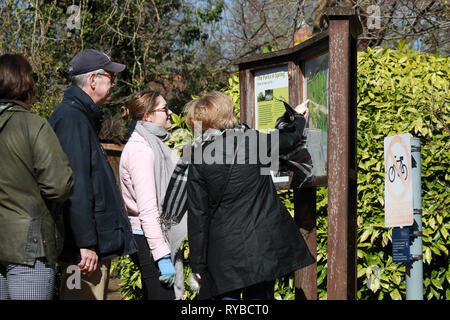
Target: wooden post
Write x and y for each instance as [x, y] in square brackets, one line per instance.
[113, 152]
[341, 276]
[247, 92]
[305, 217]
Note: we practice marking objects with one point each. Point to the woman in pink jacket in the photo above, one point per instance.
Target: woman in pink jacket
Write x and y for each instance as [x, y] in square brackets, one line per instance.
[146, 165]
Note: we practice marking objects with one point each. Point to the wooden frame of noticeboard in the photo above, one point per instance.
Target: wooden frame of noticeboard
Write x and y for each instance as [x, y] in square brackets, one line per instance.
[282, 75]
[337, 45]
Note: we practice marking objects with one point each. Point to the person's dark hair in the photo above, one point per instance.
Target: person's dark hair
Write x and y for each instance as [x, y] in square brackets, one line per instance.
[16, 79]
[142, 102]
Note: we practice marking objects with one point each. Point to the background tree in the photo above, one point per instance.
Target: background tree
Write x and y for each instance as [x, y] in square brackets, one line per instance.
[184, 47]
[250, 26]
[162, 42]
[424, 24]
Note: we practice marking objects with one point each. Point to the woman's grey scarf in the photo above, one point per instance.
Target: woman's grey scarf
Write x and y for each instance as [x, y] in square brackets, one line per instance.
[165, 158]
[165, 161]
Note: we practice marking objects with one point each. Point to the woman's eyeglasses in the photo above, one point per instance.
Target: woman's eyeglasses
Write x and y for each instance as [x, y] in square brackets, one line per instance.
[165, 109]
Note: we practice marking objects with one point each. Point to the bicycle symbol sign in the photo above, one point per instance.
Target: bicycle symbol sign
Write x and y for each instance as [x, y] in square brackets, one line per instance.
[398, 189]
[403, 169]
[397, 162]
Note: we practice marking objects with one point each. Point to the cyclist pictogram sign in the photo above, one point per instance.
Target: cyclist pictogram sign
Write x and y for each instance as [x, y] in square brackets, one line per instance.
[398, 187]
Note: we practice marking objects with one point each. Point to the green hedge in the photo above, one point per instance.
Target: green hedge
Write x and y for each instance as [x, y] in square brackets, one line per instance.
[402, 91]
[399, 90]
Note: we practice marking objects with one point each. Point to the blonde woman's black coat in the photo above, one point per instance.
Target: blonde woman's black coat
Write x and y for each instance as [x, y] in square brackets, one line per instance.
[251, 237]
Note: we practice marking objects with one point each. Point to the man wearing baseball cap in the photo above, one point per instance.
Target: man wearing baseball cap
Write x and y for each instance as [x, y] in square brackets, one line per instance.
[97, 228]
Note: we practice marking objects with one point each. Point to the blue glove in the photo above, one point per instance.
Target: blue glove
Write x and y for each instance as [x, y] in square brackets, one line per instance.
[167, 270]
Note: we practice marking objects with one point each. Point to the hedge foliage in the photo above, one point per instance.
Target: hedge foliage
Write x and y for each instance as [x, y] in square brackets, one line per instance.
[399, 90]
[402, 91]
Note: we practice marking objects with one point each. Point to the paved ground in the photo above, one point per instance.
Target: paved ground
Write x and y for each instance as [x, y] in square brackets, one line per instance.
[113, 289]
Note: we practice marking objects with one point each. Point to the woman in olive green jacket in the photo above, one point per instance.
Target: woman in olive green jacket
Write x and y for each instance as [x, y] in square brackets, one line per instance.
[34, 174]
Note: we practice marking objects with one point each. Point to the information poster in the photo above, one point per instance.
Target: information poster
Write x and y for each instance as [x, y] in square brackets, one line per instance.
[316, 90]
[271, 84]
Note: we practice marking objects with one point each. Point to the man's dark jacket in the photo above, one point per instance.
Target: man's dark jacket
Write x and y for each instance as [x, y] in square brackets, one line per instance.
[94, 215]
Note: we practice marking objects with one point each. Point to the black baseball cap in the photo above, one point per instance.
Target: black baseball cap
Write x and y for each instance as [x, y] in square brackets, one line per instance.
[90, 60]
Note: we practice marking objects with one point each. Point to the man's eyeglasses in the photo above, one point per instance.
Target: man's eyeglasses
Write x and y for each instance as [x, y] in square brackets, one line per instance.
[35, 77]
[112, 77]
[165, 109]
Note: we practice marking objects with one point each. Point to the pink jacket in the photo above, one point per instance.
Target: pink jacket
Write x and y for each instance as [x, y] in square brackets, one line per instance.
[137, 181]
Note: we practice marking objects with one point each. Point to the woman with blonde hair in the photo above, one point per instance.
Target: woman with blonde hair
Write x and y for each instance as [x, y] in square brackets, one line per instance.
[241, 237]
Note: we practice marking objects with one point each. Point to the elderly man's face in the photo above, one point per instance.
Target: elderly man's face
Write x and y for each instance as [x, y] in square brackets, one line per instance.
[103, 83]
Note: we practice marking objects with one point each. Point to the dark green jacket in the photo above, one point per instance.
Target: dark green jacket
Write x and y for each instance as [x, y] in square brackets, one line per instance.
[34, 174]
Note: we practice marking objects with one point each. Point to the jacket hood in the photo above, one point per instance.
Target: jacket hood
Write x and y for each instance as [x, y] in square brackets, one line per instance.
[75, 97]
[10, 105]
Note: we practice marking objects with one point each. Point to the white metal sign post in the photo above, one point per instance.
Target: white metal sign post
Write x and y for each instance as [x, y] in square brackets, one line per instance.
[403, 207]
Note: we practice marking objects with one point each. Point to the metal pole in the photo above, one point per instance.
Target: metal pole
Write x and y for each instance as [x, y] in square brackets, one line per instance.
[414, 269]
